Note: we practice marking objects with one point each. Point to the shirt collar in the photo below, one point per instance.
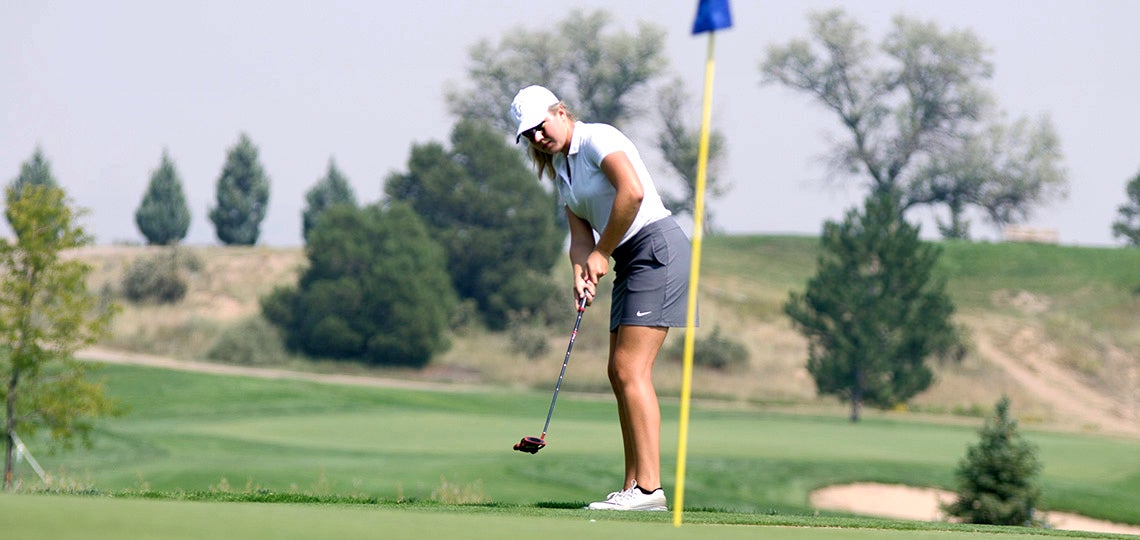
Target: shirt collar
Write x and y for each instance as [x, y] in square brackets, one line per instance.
[576, 138]
[562, 162]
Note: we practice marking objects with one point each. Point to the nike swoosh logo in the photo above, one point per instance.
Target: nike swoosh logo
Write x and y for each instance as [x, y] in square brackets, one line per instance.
[643, 313]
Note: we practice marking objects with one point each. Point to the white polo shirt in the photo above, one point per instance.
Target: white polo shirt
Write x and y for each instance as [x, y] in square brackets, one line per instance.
[584, 188]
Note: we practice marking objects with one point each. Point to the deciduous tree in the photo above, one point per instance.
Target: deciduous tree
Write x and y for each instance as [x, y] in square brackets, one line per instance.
[679, 143]
[1005, 170]
[46, 314]
[599, 71]
[916, 117]
[604, 75]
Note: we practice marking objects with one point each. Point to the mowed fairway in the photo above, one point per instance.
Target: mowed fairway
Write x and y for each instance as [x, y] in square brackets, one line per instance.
[436, 461]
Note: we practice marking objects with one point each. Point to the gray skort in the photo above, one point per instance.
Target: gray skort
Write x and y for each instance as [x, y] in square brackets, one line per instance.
[651, 277]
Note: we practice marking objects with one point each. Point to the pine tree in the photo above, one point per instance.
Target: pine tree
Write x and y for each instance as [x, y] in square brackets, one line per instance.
[874, 312]
[482, 203]
[36, 171]
[1127, 224]
[329, 191]
[163, 216]
[997, 479]
[242, 196]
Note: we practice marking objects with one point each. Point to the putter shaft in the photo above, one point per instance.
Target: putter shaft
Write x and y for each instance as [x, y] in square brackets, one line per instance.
[566, 360]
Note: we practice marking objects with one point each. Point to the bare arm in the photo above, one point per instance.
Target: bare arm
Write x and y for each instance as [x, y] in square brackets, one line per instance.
[581, 245]
[627, 201]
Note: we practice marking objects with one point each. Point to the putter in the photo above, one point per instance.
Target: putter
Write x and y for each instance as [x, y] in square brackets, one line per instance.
[534, 444]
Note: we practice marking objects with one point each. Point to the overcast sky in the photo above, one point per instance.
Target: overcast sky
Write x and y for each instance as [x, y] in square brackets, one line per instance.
[104, 87]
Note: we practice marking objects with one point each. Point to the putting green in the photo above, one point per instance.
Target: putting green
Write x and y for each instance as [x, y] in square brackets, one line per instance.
[33, 517]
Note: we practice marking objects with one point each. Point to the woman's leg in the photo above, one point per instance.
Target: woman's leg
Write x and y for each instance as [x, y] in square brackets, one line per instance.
[633, 349]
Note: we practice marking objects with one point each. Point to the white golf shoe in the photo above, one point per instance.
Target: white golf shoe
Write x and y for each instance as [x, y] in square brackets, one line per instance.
[632, 499]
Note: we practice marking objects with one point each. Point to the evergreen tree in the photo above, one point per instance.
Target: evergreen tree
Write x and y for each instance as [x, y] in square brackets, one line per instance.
[331, 190]
[36, 171]
[163, 216]
[874, 312]
[376, 290]
[997, 479]
[242, 196]
[46, 314]
[1127, 224]
[483, 205]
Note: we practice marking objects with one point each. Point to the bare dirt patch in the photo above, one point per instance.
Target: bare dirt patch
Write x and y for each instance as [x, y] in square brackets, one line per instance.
[924, 504]
[1024, 353]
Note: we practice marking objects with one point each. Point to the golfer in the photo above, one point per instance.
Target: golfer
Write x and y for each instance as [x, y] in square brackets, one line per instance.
[614, 211]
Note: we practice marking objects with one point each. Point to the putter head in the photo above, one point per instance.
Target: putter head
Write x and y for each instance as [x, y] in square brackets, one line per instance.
[530, 444]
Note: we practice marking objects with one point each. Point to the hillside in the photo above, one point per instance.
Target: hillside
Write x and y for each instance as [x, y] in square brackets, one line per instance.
[1053, 327]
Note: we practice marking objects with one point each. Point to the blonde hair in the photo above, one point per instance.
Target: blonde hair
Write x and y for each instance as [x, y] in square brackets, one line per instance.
[543, 162]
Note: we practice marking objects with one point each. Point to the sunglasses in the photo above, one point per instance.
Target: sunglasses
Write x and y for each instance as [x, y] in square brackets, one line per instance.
[529, 134]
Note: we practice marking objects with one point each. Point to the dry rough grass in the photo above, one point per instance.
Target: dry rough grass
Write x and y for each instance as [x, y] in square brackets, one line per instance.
[223, 288]
[1017, 347]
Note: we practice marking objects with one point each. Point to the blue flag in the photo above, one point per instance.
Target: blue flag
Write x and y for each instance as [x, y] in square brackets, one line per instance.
[712, 15]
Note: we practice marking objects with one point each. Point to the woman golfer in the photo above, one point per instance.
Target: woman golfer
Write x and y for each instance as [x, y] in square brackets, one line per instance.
[614, 211]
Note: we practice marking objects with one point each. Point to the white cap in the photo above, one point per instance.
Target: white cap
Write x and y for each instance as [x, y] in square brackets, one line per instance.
[530, 107]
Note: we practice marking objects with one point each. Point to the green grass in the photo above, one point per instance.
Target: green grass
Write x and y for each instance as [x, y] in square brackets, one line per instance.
[200, 456]
[35, 517]
[187, 433]
[1101, 276]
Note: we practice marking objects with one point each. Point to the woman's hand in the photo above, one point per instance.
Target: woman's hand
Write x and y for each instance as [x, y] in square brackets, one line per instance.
[584, 288]
[597, 266]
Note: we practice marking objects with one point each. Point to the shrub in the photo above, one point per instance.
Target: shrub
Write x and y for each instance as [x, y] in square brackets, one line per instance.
[997, 478]
[252, 342]
[465, 316]
[527, 334]
[716, 352]
[157, 279]
[376, 290]
[189, 260]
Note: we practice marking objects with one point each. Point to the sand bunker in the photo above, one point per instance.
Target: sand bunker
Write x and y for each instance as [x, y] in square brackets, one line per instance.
[905, 502]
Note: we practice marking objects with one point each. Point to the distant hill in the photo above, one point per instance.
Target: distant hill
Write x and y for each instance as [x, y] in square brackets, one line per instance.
[1057, 328]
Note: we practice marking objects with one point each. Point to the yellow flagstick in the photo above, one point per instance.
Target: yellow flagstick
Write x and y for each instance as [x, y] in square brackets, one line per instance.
[694, 279]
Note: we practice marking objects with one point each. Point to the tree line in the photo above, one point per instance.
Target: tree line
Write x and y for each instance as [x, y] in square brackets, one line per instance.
[922, 131]
[467, 222]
